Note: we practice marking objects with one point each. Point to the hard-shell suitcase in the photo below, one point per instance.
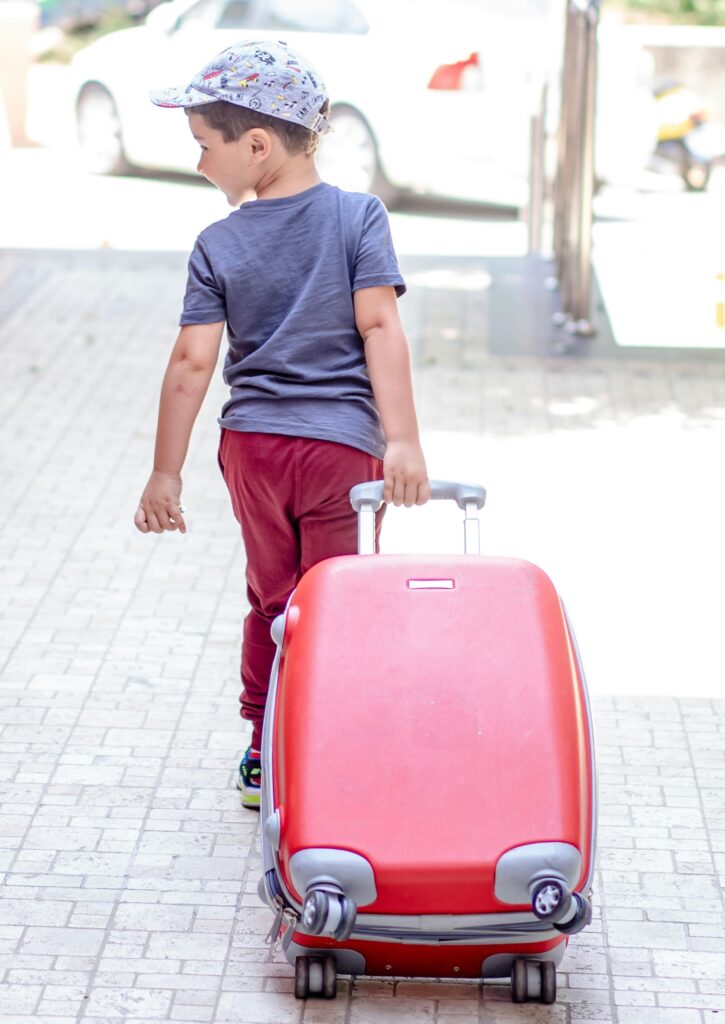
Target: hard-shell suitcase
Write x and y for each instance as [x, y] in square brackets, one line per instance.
[428, 793]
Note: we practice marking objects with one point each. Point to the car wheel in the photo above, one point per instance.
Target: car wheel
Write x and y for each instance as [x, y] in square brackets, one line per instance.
[348, 157]
[99, 131]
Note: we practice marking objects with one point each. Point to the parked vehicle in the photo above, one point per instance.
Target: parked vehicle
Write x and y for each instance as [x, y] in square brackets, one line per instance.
[421, 100]
[689, 139]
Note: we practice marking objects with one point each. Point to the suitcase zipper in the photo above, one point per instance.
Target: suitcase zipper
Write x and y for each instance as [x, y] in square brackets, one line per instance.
[283, 926]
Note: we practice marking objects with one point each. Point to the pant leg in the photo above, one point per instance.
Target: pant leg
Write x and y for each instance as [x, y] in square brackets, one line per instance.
[260, 472]
[327, 520]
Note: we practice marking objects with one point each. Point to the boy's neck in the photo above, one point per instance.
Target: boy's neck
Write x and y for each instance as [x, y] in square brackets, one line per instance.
[292, 177]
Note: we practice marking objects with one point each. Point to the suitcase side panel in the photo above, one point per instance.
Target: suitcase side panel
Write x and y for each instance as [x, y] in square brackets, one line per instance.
[428, 961]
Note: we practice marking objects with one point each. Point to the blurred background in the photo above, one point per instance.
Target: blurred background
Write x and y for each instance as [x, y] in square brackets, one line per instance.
[430, 102]
[75, 77]
[451, 113]
[556, 180]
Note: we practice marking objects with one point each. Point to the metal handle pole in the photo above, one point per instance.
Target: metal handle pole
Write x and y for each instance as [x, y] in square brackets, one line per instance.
[366, 499]
[471, 530]
[366, 528]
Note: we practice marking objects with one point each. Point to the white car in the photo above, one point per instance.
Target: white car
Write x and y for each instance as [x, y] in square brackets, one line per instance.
[425, 96]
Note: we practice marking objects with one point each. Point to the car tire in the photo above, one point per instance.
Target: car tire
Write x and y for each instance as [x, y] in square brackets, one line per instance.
[349, 158]
[100, 137]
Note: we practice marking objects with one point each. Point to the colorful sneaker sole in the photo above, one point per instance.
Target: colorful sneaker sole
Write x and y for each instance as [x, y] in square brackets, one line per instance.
[251, 795]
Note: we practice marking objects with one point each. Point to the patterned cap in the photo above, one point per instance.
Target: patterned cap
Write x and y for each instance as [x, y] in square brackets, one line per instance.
[264, 76]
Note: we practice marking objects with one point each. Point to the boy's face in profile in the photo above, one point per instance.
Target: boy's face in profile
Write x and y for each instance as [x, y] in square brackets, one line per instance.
[228, 165]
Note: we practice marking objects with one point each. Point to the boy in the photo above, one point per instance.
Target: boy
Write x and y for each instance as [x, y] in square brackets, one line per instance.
[306, 280]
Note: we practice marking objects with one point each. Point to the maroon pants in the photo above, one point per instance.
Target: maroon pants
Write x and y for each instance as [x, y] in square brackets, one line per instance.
[290, 496]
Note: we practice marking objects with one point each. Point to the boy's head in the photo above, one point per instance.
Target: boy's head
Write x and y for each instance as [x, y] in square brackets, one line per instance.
[233, 120]
[267, 85]
[254, 101]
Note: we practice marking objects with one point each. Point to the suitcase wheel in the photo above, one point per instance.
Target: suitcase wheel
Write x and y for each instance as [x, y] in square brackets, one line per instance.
[328, 913]
[533, 979]
[550, 899]
[582, 916]
[315, 976]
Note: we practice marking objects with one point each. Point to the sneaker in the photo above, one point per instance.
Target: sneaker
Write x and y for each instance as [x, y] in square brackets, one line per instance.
[250, 777]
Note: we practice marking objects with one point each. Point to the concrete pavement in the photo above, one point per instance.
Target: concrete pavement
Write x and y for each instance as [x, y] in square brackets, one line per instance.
[129, 867]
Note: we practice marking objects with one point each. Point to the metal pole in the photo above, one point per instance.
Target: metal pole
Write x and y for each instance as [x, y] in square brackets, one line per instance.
[562, 183]
[536, 175]
[581, 306]
[366, 529]
[570, 282]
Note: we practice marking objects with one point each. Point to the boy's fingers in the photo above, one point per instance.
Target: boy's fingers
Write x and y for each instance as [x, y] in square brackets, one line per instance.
[398, 490]
[153, 524]
[423, 492]
[162, 518]
[180, 524]
[140, 520]
[410, 494]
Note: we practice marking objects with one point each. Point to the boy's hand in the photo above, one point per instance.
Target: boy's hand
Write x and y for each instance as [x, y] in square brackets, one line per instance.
[160, 507]
[406, 478]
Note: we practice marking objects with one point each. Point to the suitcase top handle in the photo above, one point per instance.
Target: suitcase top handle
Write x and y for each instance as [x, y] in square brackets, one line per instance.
[463, 494]
[367, 498]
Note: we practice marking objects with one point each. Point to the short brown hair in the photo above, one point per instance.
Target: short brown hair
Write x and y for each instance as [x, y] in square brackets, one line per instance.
[233, 121]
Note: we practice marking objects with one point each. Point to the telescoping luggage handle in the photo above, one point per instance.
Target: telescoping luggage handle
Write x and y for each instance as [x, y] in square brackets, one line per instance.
[367, 498]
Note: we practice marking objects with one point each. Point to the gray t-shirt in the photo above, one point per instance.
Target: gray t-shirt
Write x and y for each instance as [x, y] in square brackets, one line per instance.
[282, 273]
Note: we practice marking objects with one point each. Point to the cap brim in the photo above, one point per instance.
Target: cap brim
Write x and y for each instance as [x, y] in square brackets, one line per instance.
[180, 96]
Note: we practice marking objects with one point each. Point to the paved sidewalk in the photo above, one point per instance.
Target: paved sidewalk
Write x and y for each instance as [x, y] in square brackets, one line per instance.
[130, 869]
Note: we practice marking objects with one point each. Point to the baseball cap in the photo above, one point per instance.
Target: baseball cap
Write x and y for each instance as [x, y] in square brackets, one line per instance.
[265, 76]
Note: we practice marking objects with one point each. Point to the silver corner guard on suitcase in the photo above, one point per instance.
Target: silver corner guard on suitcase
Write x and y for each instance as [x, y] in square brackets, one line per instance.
[545, 874]
[367, 498]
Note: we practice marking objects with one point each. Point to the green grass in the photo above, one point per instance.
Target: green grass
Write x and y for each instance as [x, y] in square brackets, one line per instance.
[73, 41]
[677, 12]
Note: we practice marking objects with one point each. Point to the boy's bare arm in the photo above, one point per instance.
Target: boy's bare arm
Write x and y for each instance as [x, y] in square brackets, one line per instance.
[186, 381]
[388, 362]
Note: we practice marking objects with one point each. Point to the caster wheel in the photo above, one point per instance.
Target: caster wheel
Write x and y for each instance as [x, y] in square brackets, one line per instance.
[548, 982]
[346, 922]
[315, 911]
[547, 899]
[329, 978]
[315, 975]
[302, 977]
[519, 982]
[328, 914]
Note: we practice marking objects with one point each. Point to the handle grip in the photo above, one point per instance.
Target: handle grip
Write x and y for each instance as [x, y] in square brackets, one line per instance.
[463, 494]
[367, 498]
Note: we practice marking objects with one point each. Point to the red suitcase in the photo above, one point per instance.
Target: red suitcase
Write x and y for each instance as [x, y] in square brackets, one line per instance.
[428, 800]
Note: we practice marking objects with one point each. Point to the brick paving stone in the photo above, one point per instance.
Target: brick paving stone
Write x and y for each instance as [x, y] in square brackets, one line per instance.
[657, 1015]
[150, 1004]
[376, 1011]
[128, 868]
[259, 1008]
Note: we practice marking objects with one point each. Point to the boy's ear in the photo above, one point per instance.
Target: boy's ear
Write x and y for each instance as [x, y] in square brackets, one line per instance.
[260, 142]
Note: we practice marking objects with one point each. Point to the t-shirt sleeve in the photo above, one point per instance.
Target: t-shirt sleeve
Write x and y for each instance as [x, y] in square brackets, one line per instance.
[204, 300]
[375, 260]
